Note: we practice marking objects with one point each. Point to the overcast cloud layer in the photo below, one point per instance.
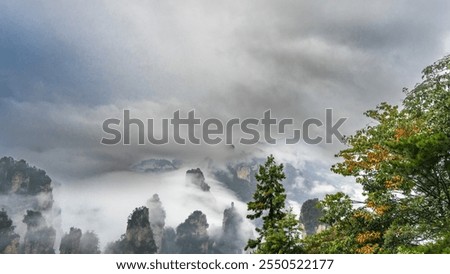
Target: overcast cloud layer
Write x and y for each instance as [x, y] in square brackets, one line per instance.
[66, 67]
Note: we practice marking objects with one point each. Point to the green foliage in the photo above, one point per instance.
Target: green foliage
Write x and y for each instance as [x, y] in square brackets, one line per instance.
[269, 197]
[351, 230]
[329, 241]
[402, 162]
[335, 207]
[283, 238]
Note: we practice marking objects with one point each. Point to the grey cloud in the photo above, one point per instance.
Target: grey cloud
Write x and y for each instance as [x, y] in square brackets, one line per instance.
[346, 54]
[67, 68]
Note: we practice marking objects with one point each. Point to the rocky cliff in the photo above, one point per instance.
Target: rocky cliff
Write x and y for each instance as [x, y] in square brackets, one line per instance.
[299, 184]
[17, 177]
[89, 243]
[156, 166]
[77, 242]
[157, 217]
[192, 235]
[195, 177]
[70, 243]
[27, 191]
[9, 240]
[231, 240]
[40, 238]
[310, 215]
[138, 238]
[169, 245]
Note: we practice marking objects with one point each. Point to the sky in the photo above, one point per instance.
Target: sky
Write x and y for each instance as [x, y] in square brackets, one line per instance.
[67, 66]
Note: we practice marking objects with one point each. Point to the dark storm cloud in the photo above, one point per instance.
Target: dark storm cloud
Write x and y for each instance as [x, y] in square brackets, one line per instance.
[37, 64]
[349, 55]
[65, 68]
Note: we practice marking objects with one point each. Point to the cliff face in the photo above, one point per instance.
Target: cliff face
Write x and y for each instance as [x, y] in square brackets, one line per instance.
[139, 233]
[244, 172]
[169, 245]
[138, 238]
[192, 235]
[196, 177]
[239, 178]
[39, 238]
[156, 166]
[9, 240]
[27, 191]
[231, 241]
[310, 215]
[157, 217]
[70, 243]
[89, 243]
[299, 184]
[77, 242]
[17, 177]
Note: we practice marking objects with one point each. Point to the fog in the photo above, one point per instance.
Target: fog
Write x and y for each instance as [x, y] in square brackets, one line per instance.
[103, 203]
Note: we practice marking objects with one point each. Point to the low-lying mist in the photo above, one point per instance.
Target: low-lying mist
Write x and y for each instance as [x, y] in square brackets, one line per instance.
[103, 203]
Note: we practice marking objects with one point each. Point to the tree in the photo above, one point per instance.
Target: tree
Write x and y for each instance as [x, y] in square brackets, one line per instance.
[280, 229]
[282, 238]
[402, 162]
[351, 230]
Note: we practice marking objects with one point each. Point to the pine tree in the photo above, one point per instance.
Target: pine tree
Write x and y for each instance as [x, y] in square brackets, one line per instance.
[268, 201]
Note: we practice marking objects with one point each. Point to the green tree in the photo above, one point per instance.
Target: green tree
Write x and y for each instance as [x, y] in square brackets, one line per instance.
[280, 229]
[402, 161]
[351, 230]
[282, 238]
